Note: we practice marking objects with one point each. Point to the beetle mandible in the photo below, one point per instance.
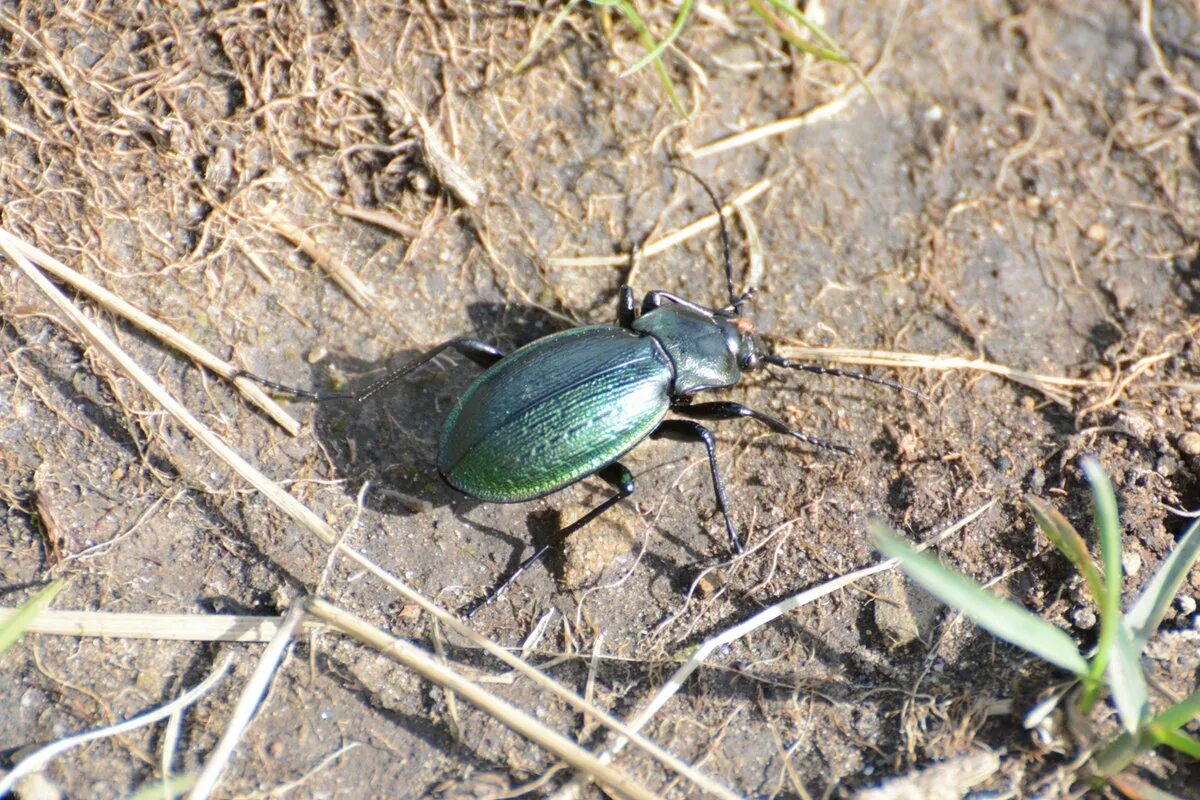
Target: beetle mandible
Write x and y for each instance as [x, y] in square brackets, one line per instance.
[573, 404]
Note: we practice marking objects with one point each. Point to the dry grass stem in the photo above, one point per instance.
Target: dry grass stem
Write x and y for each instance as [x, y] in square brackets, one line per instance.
[820, 113]
[322, 530]
[36, 761]
[668, 241]
[163, 627]
[247, 703]
[1054, 387]
[379, 218]
[166, 333]
[428, 667]
[747, 626]
[323, 257]
[284, 501]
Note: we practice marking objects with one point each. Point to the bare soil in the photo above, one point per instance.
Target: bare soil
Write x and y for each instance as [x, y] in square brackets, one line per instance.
[1023, 188]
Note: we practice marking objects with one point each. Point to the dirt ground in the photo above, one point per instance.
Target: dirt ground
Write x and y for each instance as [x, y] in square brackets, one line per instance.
[1023, 188]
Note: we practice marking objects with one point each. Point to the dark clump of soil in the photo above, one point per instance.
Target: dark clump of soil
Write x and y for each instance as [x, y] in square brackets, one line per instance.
[1019, 188]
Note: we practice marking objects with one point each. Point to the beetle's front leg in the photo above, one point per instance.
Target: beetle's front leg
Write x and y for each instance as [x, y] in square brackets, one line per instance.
[726, 410]
[688, 431]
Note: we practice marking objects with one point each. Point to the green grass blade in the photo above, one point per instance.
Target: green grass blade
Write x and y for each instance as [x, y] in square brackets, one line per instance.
[534, 48]
[1108, 530]
[676, 28]
[1126, 680]
[803, 45]
[1000, 617]
[1062, 534]
[1179, 714]
[15, 625]
[635, 19]
[175, 786]
[1156, 598]
[1177, 740]
[830, 52]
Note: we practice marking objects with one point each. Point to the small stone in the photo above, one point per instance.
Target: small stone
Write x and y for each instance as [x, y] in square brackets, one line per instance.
[1189, 443]
[589, 551]
[710, 583]
[901, 614]
[1096, 232]
[1167, 466]
[1124, 294]
[36, 787]
[1186, 604]
[1136, 426]
[1035, 481]
[1132, 563]
[1083, 618]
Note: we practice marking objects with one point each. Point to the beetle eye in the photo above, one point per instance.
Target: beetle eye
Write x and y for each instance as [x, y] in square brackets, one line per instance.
[751, 360]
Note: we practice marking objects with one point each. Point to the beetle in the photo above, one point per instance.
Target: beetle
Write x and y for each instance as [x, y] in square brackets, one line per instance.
[572, 404]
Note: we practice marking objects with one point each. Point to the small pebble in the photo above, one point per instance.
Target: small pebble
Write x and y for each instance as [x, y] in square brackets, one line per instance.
[1136, 426]
[37, 787]
[1131, 563]
[1186, 604]
[1083, 618]
[1096, 232]
[588, 552]
[710, 583]
[1189, 443]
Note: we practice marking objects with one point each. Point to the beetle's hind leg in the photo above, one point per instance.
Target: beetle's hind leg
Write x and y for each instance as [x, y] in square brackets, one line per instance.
[615, 475]
[482, 353]
[688, 431]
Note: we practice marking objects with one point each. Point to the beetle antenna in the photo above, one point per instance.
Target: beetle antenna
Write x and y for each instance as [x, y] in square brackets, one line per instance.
[735, 302]
[841, 373]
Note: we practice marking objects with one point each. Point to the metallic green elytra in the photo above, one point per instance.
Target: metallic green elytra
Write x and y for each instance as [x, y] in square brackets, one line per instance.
[555, 411]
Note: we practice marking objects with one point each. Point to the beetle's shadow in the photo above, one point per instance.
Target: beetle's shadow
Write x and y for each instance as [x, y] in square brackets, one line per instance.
[391, 439]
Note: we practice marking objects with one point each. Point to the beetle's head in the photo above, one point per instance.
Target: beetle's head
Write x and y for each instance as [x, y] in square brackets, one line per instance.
[741, 339]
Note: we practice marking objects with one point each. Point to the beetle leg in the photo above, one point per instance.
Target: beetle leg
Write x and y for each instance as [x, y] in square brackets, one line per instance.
[483, 354]
[726, 410]
[688, 431]
[625, 308]
[615, 475]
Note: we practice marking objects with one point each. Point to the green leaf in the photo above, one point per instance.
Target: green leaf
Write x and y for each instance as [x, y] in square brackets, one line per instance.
[12, 628]
[1000, 617]
[1146, 614]
[1126, 680]
[1108, 530]
[1062, 534]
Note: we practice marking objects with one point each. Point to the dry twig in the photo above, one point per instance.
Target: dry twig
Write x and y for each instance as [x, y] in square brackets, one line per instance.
[166, 333]
[349, 283]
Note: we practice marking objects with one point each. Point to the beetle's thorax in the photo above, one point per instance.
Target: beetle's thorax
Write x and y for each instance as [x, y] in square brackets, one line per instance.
[705, 350]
